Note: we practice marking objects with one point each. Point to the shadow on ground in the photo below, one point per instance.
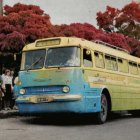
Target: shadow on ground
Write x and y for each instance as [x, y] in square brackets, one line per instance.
[72, 119]
[8, 114]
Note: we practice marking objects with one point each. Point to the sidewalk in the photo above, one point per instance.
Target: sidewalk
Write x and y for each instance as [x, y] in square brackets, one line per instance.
[8, 113]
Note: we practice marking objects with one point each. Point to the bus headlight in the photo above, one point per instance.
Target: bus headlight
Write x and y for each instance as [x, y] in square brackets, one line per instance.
[66, 89]
[22, 91]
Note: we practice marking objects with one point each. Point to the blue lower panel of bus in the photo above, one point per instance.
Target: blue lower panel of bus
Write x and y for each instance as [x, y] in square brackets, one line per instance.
[88, 105]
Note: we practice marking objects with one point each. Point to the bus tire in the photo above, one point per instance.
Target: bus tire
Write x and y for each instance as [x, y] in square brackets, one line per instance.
[102, 115]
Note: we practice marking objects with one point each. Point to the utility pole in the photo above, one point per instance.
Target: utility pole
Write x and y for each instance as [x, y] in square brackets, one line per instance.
[1, 7]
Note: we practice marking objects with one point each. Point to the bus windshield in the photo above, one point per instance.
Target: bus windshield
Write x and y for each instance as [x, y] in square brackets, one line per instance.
[63, 57]
[33, 59]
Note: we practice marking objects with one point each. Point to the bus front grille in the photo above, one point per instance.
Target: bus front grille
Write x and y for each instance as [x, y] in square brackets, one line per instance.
[44, 90]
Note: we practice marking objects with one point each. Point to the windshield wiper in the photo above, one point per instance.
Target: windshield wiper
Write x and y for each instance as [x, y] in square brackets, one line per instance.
[34, 63]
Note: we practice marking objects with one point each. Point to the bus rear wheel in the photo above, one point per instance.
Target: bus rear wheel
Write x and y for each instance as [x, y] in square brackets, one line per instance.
[102, 115]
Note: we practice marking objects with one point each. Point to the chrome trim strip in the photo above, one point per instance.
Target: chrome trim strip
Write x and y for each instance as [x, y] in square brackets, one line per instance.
[49, 98]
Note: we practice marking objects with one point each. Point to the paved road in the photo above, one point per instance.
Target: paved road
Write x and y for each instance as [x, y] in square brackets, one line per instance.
[69, 127]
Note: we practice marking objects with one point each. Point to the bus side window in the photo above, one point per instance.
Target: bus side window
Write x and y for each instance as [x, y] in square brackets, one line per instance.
[123, 65]
[114, 65]
[107, 62]
[111, 63]
[133, 68]
[99, 60]
[87, 58]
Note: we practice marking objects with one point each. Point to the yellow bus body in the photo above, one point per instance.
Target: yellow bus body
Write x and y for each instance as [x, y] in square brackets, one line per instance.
[123, 87]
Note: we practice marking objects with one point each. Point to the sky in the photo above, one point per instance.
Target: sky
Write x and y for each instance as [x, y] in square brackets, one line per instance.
[72, 11]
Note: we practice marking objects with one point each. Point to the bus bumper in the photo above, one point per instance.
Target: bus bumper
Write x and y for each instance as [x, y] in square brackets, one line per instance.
[76, 103]
[48, 98]
[50, 103]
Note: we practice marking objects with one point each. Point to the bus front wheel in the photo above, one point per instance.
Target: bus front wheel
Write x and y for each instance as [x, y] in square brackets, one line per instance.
[102, 115]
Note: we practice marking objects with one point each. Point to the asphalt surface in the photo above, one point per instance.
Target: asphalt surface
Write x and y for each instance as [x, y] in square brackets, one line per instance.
[69, 127]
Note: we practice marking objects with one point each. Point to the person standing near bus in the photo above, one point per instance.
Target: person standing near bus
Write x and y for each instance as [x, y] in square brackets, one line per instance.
[12, 102]
[7, 88]
[2, 89]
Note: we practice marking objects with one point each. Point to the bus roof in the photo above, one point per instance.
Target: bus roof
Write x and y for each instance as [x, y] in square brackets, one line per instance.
[74, 41]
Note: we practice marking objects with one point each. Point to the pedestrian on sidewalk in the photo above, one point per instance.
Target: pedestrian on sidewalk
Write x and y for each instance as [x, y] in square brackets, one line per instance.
[12, 102]
[2, 89]
[7, 88]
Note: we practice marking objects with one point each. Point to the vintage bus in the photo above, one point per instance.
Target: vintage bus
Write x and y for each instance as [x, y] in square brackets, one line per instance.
[69, 74]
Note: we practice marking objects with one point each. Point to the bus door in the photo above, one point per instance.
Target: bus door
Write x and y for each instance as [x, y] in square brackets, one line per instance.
[87, 64]
[90, 101]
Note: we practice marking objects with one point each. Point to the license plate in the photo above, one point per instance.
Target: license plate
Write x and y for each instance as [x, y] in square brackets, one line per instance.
[44, 99]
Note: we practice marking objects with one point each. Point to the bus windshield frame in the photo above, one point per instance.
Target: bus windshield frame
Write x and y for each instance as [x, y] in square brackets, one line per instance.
[60, 55]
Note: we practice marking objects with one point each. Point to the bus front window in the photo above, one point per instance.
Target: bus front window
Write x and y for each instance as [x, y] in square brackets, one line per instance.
[33, 59]
[63, 57]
